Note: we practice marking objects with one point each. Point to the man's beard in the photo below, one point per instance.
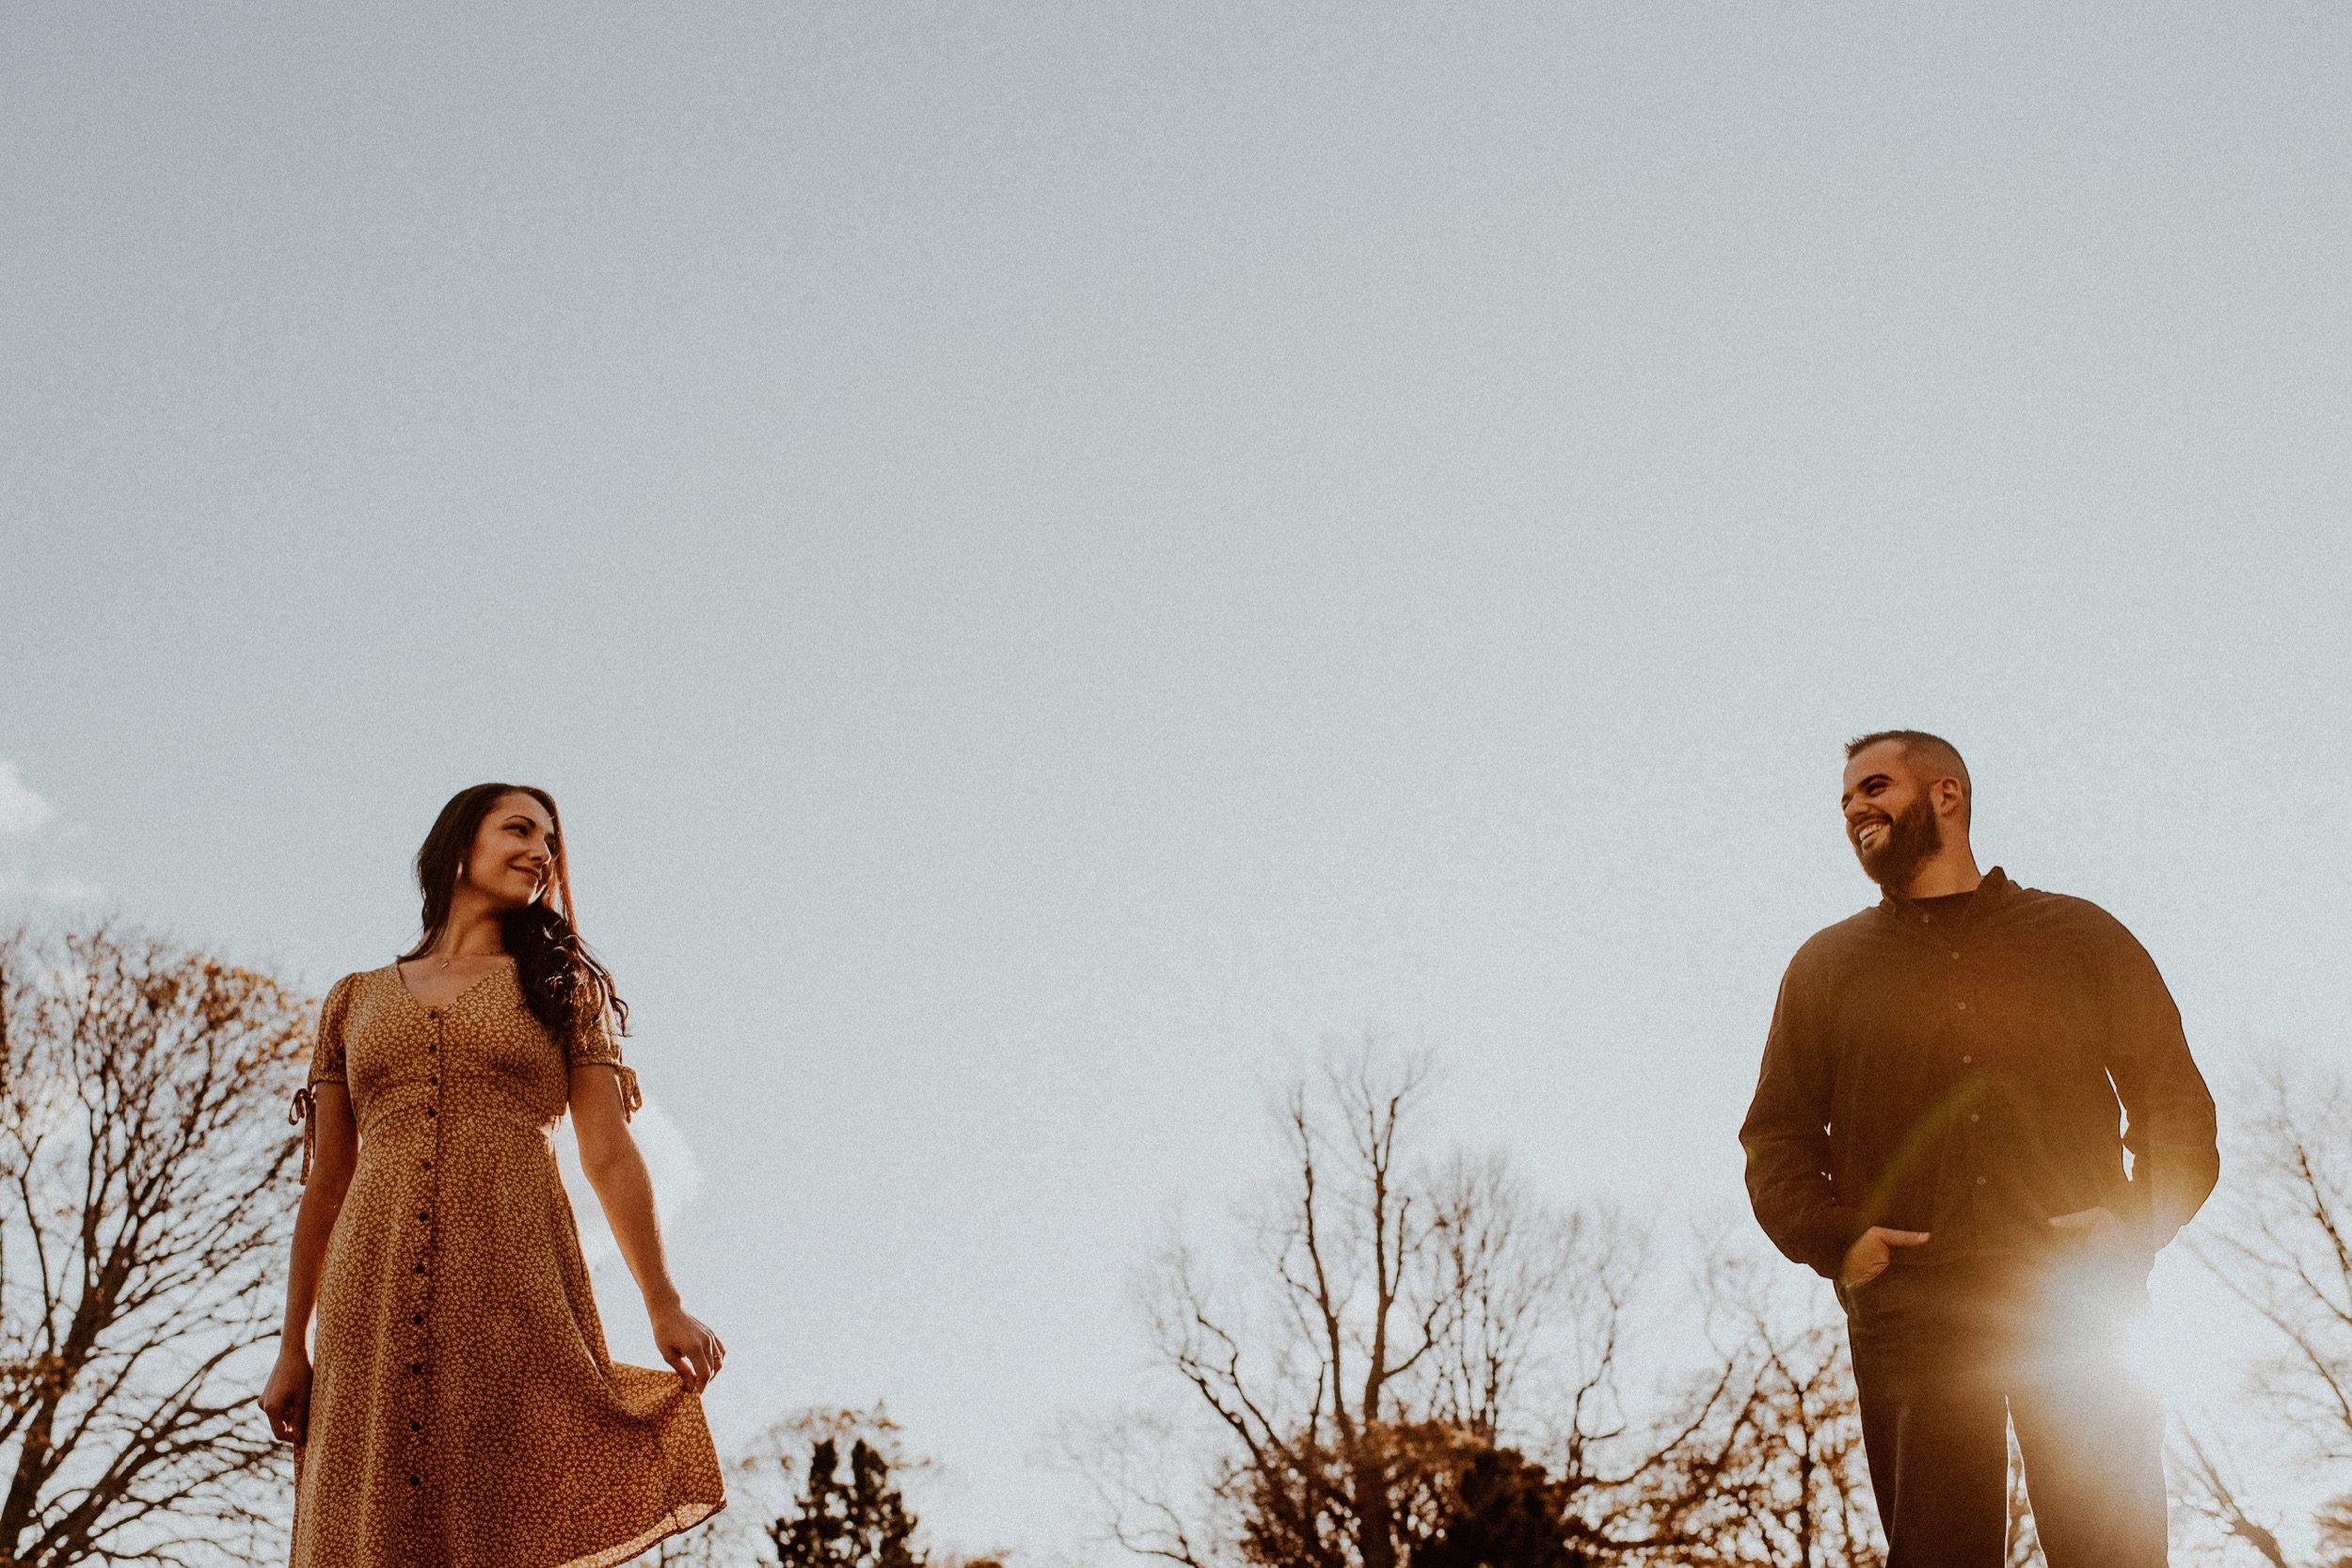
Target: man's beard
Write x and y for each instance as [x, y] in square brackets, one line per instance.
[1910, 841]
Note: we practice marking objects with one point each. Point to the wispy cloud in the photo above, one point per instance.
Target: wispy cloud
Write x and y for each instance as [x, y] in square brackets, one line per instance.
[24, 818]
[23, 813]
[678, 1180]
[49, 890]
[670, 1159]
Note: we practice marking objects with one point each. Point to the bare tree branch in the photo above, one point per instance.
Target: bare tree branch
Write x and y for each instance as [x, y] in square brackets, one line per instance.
[145, 1156]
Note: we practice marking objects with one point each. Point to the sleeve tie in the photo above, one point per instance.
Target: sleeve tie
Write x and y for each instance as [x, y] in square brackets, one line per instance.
[304, 1113]
[632, 1098]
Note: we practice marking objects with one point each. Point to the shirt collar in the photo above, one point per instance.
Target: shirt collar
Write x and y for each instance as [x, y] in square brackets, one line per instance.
[1994, 885]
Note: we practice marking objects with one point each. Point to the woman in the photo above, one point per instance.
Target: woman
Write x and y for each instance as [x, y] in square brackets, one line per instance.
[465, 1413]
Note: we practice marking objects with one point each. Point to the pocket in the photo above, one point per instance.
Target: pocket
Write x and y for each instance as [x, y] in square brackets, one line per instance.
[1873, 1287]
[1849, 1295]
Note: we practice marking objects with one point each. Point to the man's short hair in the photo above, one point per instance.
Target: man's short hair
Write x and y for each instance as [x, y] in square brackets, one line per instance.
[1931, 754]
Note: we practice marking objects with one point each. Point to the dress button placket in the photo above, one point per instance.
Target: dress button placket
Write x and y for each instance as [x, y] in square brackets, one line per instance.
[420, 1313]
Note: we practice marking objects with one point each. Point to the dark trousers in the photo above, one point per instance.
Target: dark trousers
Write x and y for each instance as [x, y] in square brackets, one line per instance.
[1948, 1354]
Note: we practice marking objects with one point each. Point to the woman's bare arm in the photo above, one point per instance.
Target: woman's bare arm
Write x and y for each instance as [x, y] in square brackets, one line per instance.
[334, 1152]
[609, 1160]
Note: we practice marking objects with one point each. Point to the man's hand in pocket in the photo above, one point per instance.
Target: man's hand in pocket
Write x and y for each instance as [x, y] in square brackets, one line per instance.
[1872, 1251]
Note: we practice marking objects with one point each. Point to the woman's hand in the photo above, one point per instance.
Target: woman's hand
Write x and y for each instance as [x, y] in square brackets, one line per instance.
[286, 1397]
[687, 1345]
[609, 1160]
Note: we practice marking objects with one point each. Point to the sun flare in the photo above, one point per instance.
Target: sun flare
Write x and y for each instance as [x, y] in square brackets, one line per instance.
[2191, 1339]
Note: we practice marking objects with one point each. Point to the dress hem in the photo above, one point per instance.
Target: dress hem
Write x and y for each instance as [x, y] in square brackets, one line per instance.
[681, 1518]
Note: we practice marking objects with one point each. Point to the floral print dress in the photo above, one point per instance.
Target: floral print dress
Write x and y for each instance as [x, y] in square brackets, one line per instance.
[464, 1411]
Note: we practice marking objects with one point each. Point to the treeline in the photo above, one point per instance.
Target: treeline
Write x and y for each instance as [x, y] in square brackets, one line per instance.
[1404, 1358]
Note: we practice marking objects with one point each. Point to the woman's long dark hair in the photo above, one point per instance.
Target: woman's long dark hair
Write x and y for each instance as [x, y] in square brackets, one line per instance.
[563, 983]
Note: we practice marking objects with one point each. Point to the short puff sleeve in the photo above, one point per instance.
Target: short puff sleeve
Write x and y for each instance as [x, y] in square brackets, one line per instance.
[595, 1042]
[326, 1064]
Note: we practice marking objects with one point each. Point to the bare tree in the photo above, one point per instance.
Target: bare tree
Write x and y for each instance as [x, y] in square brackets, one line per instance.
[2207, 1483]
[1775, 1472]
[1345, 1246]
[2335, 1534]
[2281, 1240]
[144, 1155]
[1401, 1326]
[1532, 1301]
[1419, 1365]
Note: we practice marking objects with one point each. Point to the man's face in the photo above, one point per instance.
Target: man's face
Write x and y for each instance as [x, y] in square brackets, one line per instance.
[1890, 821]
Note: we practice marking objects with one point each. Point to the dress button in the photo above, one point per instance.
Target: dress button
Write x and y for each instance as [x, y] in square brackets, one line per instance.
[421, 1268]
[416, 1426]
[1972, 1115]
[418, 1366]
[435, 1079]
[431, 1112]
[416, 1316]
[1963, 1006]
[414, 1480]
[1967, 1058]
[1980, 1181]
[425, 1214]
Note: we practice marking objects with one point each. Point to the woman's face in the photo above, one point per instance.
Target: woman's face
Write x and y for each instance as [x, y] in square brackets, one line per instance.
[514, 852]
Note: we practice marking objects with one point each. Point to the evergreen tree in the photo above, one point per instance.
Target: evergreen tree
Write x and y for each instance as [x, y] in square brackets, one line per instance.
[854, 1522]
[1507, 1512]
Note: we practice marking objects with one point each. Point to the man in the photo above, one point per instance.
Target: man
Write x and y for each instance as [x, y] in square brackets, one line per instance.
[1936, 1129]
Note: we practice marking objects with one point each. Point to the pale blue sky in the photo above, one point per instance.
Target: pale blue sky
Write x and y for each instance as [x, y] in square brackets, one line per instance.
[1053, 555]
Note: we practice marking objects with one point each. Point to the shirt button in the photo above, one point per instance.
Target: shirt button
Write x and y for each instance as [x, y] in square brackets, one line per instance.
[1955, 955]
[1980, 1181]
[1972, 1115]
[1965, 1059]
[1963, 1006]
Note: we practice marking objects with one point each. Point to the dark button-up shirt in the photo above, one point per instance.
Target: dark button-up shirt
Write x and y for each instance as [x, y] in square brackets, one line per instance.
[1973, 1076]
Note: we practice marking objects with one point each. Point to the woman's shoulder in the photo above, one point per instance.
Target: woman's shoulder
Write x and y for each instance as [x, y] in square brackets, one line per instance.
[336, 1007]
[357, 982]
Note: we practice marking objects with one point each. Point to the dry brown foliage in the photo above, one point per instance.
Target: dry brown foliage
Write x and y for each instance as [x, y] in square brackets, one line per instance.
[145, 1163]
